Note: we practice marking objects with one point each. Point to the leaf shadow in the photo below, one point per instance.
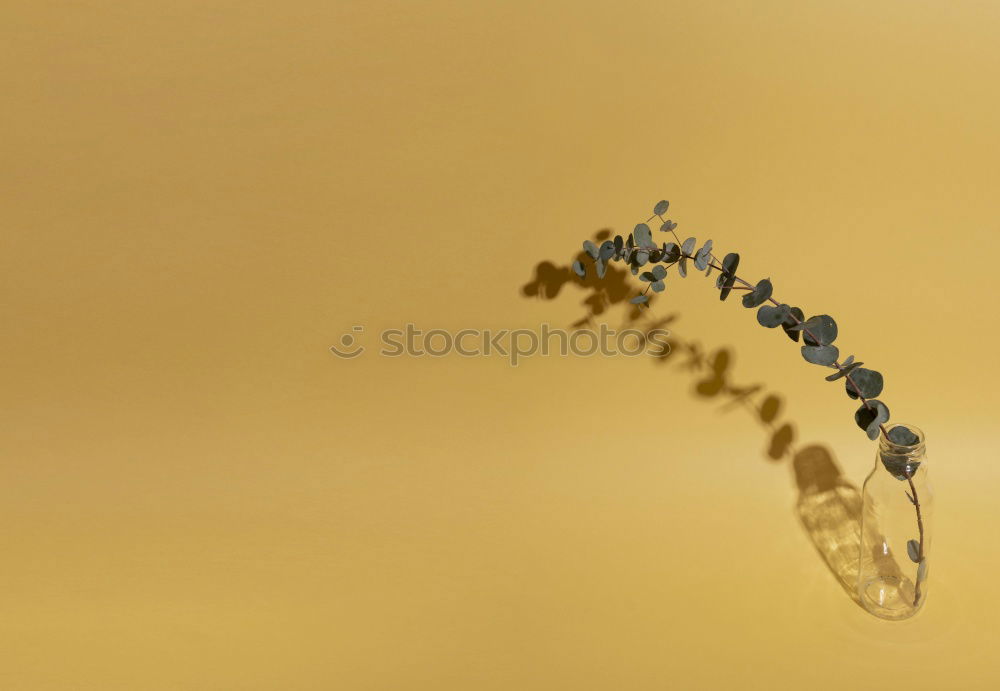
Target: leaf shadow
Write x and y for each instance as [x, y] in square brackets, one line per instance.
[828, 506]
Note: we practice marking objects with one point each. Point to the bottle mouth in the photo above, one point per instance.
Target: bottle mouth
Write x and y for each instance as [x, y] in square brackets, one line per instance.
[901, 449]
[902, 438]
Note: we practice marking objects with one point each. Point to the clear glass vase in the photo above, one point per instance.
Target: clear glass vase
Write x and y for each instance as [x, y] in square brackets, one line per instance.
[896, 526]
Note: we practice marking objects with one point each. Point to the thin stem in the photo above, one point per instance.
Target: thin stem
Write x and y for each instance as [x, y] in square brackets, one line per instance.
[920, 528]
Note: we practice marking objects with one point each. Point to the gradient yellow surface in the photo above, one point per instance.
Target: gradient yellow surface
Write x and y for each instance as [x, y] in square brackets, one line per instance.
[200, 198]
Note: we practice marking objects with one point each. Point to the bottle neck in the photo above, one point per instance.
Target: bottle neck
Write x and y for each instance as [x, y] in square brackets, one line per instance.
[902, 451]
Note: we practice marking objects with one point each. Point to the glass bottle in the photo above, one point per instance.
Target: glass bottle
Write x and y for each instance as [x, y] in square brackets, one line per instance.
[896, 526]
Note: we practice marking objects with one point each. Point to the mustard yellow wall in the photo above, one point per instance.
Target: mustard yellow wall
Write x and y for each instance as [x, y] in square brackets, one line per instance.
[200, 198]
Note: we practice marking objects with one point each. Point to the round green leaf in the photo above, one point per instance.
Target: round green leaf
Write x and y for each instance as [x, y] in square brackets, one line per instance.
[759, 295]
[901, 435]
[822, 327]
[703, 256]
[870, 416]
[824, 355]
[772, 317]
[728, 276]
[795, 315]
[661, 207]
[643, 236]
[867, 381]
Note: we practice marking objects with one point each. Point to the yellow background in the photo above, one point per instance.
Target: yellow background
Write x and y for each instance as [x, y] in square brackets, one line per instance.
[200, 198]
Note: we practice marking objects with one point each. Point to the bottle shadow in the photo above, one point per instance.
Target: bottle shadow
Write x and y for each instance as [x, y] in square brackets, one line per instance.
[828, 506]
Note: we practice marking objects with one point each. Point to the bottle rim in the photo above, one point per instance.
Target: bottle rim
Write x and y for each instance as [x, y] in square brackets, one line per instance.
[902, 449]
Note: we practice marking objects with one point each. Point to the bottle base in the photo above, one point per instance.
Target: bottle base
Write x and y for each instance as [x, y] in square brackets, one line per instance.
[889, 597]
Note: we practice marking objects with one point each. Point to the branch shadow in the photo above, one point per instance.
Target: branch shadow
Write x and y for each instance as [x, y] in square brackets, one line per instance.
[828, 506]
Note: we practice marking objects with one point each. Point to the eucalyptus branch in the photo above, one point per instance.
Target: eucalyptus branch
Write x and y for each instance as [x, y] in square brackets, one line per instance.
[818, 333]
